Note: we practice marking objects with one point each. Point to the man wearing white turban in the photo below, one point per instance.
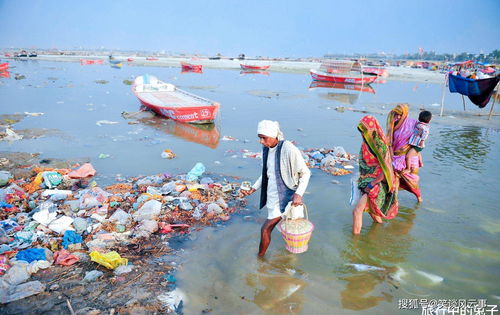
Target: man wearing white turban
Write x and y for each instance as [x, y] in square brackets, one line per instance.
[284, 178]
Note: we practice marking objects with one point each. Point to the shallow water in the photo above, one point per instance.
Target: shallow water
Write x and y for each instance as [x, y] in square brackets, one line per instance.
[453, 235]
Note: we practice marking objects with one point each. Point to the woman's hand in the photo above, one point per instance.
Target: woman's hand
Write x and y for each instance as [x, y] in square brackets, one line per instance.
[296, 200]
[244, 193]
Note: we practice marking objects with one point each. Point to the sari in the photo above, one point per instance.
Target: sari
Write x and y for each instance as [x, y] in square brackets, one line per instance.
[374, 159]
[398, 134]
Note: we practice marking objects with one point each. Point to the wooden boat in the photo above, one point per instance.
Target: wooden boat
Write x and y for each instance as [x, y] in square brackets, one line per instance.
[130, 59]
[115, 61]
[342, 86]
[33, 54]
[319, 75]
[250, 67]
[4, 74]
[169, 101]
[188, 67]
[4, 66]
[91, 61]
[381, 72]
[151, 58]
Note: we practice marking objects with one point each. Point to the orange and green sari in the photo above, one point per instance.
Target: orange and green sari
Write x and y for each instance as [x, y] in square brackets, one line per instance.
[398, 136]
[375, 158]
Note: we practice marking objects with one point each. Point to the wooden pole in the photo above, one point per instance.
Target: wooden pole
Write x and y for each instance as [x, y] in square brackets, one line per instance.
[442, 98]
[463, 100]
[493, 105]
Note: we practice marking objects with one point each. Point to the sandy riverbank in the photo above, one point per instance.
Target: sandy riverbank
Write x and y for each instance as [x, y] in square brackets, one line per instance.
[395, 73]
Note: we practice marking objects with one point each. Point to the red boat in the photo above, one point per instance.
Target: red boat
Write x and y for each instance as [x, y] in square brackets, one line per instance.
[130, 59]
[343, 86]
[381, 72]
[342, 78]
[151, 58]
[4, 66]
[91, 61]
[188, 67]
[169, 101]
[4, 74]
[249, 67]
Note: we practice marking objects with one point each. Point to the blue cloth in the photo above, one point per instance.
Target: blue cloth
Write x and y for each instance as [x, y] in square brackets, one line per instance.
[464, 86]
[31, 254]
[71, 237]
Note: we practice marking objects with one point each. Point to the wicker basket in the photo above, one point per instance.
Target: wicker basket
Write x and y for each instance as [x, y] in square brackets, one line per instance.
[296, 233]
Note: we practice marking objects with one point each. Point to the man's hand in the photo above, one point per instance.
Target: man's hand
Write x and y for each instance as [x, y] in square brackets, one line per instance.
[244, 193]
[296, 200]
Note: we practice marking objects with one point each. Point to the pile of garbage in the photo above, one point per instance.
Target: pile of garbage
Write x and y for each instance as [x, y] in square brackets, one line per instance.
[62, 217]
[335, 161]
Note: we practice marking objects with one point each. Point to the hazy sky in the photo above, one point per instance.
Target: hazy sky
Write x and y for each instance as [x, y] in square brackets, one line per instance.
[256, 28]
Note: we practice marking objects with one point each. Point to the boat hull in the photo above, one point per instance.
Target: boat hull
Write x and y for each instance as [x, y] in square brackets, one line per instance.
[187, 67]
[192, 115]
[249, 67]
[323, 76]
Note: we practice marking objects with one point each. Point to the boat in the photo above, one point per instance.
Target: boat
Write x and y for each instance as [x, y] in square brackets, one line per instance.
[207, 134]
[151, 58]
[342, 71]
[319, 75]
[381, 72]
[188, 67]
[342, 86]
[4, 74]
[130, 59]
[253, 67]
[115, 61]
[91, 61]
[4, 66]
[22, 54]
[117, 65]
[33, 54]
[167, 100]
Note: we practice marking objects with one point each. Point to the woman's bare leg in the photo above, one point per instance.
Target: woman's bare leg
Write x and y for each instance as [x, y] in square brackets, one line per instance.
[357, 214]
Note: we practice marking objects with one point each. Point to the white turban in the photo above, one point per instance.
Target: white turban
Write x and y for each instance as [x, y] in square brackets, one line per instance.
[270, 128]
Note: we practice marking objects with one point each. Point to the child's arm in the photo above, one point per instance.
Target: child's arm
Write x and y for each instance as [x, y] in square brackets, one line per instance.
[420, 162]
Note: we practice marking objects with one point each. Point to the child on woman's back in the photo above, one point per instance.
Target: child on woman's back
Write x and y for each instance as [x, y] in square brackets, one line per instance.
[417, 140]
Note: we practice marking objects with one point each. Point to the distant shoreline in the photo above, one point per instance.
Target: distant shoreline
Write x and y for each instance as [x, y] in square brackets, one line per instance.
[300, 67]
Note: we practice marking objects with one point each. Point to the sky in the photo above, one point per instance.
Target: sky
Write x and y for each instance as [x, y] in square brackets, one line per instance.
[271, 28]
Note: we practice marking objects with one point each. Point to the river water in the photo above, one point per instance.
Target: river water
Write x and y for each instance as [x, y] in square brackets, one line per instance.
[445, 248]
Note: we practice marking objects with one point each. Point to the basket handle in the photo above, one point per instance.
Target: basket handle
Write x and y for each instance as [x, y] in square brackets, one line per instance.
[289, 219]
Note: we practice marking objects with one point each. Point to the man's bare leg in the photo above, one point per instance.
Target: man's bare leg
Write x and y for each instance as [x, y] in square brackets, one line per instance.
[265, 234]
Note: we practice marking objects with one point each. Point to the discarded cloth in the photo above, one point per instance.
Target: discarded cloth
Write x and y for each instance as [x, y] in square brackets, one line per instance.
[109, 260]
[85, 170]
[65, 258]
[31, 254]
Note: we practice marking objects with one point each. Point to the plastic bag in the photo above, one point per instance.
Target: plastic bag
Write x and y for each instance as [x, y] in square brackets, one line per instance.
[149, 211]
[52, 179]
[109, 260]
[195, 172]
[4, 178]
[293, 212]
[85, 170]
[355, 193]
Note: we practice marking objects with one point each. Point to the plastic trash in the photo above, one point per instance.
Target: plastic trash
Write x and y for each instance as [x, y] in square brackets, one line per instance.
[93, 197]
[80, 225]
[168, 154]
[121, 217]
[5, 177]
[44, 216]
[65, 258]
[71, 237]
[355, 193]
[213, 207]
[91, 276]
[23, 291]
[61, 224]
[103, 156]
[109, 260]
[146, 228]
[149, 211]
[31, 254]
[8, 225]
[105, 122]
[36, 265]
[123, 269]
[86, 170]
[11, 135]
[173, 299]
[51, 179]
[196, 172]
[52, 192]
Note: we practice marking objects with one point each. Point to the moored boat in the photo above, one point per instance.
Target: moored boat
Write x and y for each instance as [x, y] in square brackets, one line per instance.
[342, 77]
[167, 100]
[188, 67]
[381, 72]
[151, 58]
[253, 67]
[91, 61]
[130, 59]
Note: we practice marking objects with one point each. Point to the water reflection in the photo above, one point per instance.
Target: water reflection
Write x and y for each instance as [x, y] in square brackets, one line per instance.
[342, 86]
[245, 72]
[207, 134]
[383, 246]
[276, 286]
[466, 146]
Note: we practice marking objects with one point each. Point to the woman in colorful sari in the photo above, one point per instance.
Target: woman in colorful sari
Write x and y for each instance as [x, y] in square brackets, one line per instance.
[377, 182]
[399, 130]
